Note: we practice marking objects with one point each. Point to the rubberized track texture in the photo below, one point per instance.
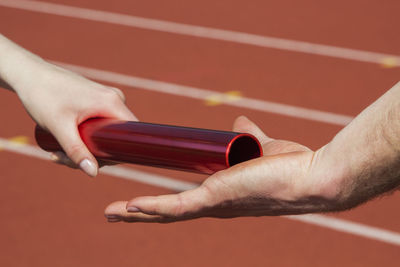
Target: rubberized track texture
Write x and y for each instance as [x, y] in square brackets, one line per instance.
[300, 69]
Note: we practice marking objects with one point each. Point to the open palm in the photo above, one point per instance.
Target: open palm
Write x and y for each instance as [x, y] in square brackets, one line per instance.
[275, 184]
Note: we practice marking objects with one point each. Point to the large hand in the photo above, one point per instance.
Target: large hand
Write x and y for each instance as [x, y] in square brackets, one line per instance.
[281, 182]
[59, 100]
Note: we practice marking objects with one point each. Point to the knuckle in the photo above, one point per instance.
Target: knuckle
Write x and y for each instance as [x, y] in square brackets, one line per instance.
[112, 94]
[118, 91]
[115, 94]
[180, 207]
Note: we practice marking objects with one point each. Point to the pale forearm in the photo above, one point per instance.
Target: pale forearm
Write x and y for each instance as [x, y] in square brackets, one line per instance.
[3, 51]
[52, 95]
[363, 160]
[16, 65]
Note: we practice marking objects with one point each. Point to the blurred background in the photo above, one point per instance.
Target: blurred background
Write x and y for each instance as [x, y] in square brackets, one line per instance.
[300, 69]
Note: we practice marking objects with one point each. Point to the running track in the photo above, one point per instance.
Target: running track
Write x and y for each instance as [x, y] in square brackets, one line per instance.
[301, 69]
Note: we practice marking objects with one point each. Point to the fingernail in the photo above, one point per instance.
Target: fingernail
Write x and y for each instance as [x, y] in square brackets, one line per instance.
[89, 167]
[132, 209]
[53, 157]
[113, 218]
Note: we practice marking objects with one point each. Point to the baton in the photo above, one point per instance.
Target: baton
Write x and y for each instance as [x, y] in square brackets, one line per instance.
[165, 146]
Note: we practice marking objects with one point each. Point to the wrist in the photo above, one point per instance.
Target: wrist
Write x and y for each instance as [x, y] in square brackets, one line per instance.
[17, 66]
[363, 160]
[325, 181]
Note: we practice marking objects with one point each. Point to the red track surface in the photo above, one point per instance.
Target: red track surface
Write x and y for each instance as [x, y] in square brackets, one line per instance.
[53, 216]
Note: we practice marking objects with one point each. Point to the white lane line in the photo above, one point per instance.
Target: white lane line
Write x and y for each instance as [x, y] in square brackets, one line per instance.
[203, 32]
[26, 150]
[340, 225]
[118, 171]
[205, 94]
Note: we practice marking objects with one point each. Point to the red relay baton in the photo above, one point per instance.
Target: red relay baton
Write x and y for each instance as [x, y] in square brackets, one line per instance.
[165, 146]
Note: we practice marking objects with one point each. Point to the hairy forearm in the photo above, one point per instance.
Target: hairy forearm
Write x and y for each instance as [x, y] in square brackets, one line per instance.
[363, 160]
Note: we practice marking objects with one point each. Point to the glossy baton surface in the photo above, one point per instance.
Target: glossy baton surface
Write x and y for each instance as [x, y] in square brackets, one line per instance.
[165, 146]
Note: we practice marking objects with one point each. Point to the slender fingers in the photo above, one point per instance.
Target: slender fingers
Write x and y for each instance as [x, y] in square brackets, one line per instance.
[68, 136]
[244, 125]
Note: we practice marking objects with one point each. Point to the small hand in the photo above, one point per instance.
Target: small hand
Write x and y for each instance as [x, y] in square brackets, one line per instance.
[59, 100]
[281, 182]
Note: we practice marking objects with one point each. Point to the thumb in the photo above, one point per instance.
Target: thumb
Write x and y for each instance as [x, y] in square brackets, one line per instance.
[185, 204]
[199, 202]
[72, 144]
[243, 125]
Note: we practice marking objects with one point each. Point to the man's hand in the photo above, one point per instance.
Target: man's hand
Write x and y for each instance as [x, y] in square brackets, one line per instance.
[281, 182]
[360, 163]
